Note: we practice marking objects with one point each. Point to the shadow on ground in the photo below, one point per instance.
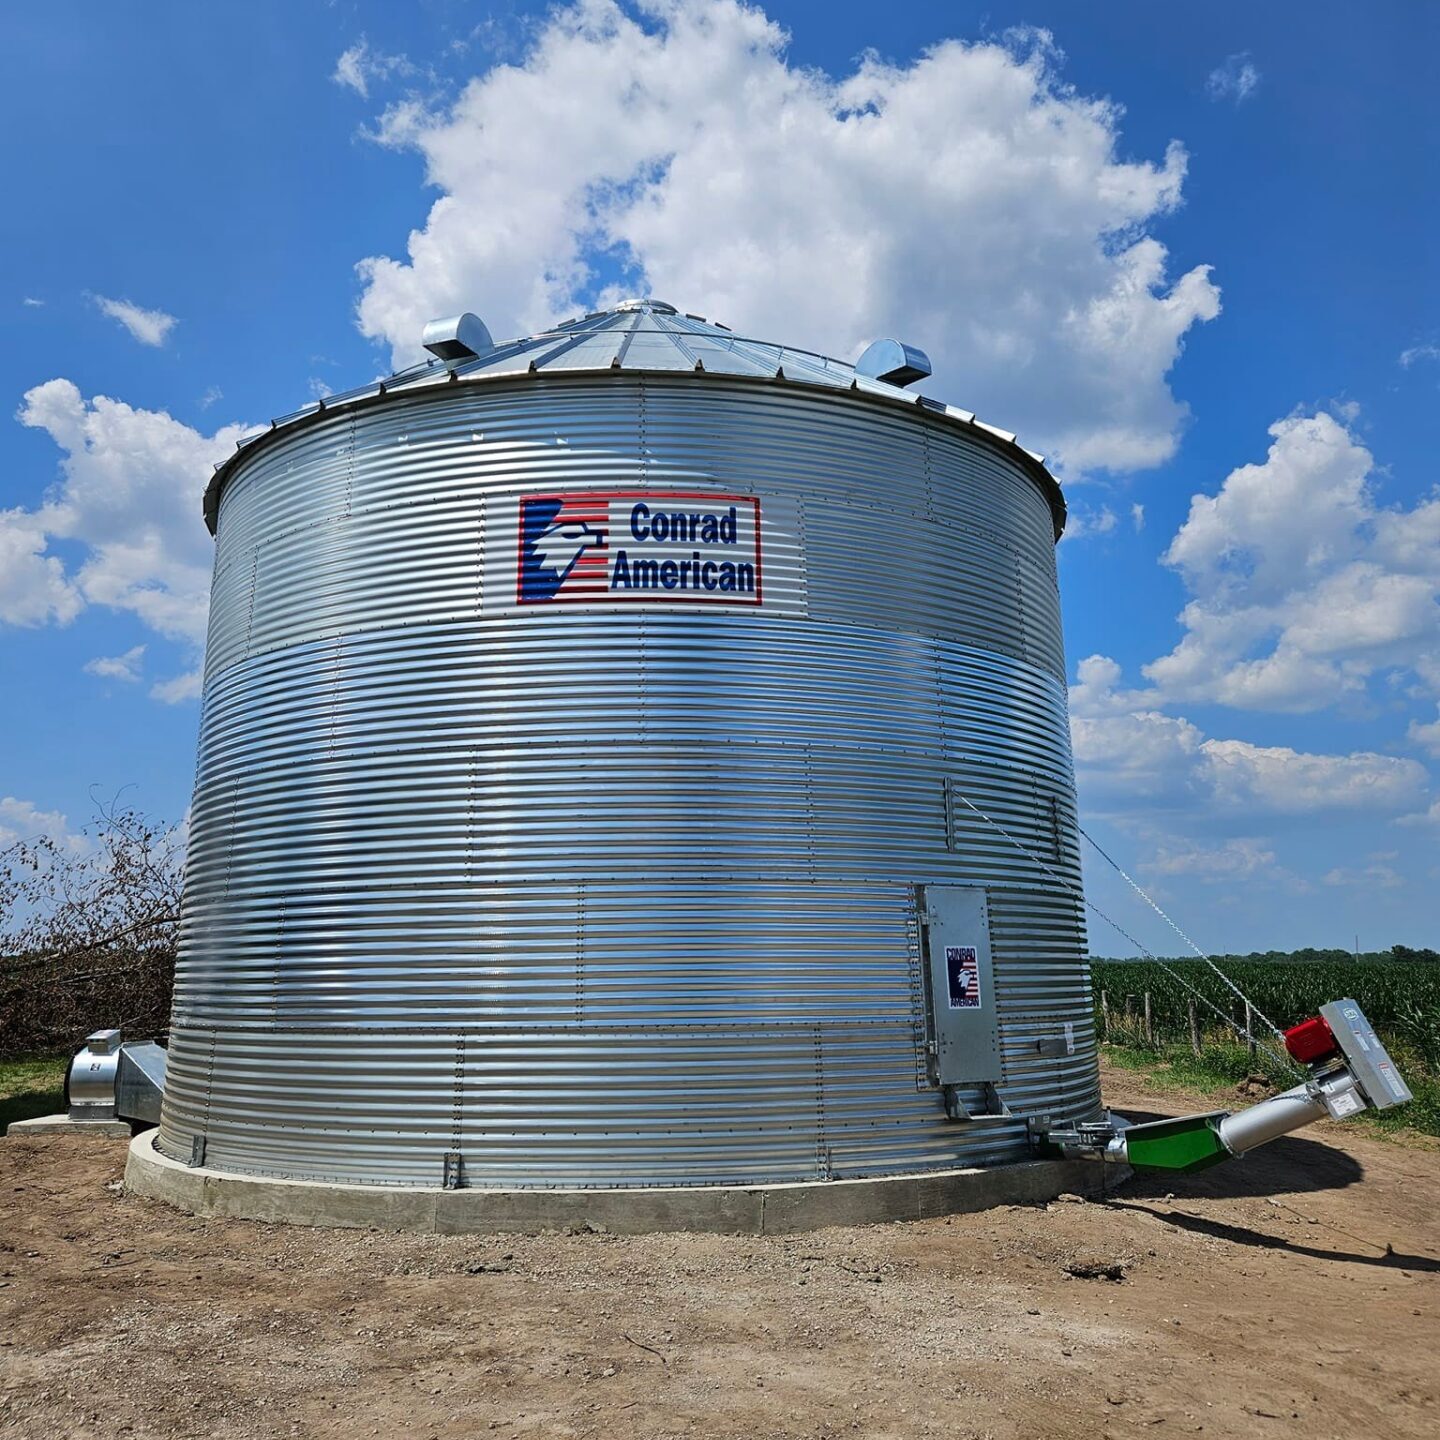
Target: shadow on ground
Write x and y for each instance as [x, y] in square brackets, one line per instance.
[1383, 1256]
[28, 1104]
[1291, 1165]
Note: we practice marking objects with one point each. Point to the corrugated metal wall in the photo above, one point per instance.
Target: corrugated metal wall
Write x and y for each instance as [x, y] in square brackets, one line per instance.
[618, 898]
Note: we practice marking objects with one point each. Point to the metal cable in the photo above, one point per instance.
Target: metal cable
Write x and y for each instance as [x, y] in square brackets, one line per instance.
[1250, 1006]
[1283, 1060]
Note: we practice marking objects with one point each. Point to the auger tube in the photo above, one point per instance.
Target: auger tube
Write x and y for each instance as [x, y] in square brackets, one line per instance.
[1349, 1072]
[1272, 1118]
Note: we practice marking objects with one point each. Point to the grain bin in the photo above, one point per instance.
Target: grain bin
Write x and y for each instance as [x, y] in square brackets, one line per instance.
[632, 756]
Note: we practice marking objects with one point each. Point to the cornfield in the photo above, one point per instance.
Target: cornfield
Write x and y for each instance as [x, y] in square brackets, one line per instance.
[1401, 1000]
[1388, 992]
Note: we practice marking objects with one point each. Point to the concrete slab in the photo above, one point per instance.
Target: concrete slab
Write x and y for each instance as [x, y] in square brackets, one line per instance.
[63, 1125]
[723, 1209]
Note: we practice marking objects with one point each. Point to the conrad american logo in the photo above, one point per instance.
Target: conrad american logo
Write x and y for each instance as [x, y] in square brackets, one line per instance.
[672, 546]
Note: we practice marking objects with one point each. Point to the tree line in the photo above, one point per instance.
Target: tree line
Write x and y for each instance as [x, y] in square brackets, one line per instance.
[88, 933]
[1309, 955]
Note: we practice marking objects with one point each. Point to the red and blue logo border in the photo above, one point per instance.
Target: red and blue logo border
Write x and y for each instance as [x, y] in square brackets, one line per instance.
[609, 597]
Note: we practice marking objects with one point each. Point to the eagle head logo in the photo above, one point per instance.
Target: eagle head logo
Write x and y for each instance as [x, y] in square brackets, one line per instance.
[562, 543]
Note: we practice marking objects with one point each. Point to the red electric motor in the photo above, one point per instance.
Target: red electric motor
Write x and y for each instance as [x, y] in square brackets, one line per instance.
[1311, 1040]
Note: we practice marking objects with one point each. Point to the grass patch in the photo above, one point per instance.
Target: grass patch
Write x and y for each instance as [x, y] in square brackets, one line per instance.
[31, 1087]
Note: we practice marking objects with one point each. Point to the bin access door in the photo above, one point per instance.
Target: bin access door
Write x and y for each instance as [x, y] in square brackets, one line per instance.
[962, 991]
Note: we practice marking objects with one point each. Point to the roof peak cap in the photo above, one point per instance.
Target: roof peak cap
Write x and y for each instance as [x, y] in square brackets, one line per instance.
[645, 302]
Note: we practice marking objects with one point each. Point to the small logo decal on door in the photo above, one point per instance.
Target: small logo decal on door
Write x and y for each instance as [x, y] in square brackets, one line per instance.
[962, 974]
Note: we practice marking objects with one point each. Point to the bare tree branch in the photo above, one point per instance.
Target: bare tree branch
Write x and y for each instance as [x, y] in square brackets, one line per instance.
[115, 897]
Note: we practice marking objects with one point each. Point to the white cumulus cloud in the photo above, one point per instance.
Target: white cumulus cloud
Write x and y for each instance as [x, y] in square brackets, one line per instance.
[359, 65]
[1303, 586]
[1083, 522]
[129, 498]
[1427, 735]
[33, 587]
[1283, 781]
[1429, 817]
[1377, 875]
[1242, 858]
[969, 201]
[1125, 753]
[124, 667]
[181, 688]
[149, 327]
[23, 820]
[1304, 589]
[1137, 755]
[1236, 80]
[1097, 692]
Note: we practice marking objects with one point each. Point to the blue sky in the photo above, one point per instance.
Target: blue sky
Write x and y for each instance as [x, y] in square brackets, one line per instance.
[1163, 246]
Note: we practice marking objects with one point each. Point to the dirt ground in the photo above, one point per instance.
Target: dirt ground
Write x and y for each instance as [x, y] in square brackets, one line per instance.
[1294, 1293]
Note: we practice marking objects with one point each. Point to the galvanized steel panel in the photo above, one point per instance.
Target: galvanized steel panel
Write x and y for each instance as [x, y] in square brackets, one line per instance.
[608, 895]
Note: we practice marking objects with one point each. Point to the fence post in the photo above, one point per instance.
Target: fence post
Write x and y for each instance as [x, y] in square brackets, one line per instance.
[1194, 1029]
[1249, 1030]
[1149, 1021]
[1105, 1016]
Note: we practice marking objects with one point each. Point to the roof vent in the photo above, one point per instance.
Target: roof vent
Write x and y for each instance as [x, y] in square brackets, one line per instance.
[461, 337]
[894, 363]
